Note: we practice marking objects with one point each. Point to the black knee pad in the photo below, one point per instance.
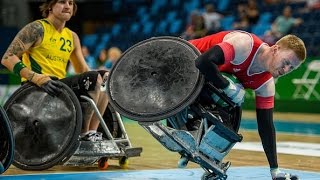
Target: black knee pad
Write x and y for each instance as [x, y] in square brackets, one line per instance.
[88, 81]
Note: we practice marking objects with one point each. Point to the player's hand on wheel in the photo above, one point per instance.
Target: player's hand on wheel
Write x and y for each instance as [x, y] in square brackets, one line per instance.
[52, 87]
[279, 175]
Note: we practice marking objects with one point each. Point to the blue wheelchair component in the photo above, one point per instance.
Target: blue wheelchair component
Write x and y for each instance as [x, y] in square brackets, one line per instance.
[7, 147]
[208, 145]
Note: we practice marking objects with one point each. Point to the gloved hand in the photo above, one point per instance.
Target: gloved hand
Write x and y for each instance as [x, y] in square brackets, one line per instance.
[52, 87]
[235, 92]
[279, 175]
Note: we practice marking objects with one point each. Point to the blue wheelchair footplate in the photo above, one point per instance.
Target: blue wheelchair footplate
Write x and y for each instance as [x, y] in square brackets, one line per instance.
[208, 150]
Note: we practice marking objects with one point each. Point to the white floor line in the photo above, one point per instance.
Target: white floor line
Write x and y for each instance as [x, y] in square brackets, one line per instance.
[288, 147]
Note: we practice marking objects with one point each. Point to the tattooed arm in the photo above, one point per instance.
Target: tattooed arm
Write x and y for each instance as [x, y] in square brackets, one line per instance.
[29, 36]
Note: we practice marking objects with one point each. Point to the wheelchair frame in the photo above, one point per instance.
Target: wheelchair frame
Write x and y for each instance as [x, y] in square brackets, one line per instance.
[206, 146]
[91, 152]
[76, 152]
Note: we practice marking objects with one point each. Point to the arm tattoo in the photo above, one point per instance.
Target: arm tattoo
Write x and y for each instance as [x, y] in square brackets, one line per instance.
[24, 39]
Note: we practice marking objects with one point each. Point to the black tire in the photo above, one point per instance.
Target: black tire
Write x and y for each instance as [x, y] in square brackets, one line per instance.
[6, 141]
[31, 111]
[145, 72]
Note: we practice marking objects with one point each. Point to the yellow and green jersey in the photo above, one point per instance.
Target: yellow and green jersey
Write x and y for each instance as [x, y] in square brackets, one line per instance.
[52, 55]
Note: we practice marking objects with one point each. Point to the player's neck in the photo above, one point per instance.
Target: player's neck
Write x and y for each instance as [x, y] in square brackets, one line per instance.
[261, 59]
[58, 24]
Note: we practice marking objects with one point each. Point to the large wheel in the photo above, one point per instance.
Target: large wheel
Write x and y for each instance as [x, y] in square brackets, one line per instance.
[155, 79]
[46, 128]
[6, 142]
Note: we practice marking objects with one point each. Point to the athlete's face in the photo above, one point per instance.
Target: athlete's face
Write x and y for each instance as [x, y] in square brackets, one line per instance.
[283, 62]
[63, 9]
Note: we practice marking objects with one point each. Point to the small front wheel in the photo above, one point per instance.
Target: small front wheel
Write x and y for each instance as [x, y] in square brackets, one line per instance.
[124, 162]
[103, 163]
[212, 176]
[183, 162]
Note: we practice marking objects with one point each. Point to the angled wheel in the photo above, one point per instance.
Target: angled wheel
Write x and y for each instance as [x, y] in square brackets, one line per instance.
[155, 79]
[46, 128]
[6, 142]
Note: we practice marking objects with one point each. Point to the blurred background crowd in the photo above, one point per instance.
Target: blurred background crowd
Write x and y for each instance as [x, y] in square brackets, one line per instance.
[118, 24]
[108, 27]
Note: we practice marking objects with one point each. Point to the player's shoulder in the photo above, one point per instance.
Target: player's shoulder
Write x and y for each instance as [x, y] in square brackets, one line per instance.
[242, 43]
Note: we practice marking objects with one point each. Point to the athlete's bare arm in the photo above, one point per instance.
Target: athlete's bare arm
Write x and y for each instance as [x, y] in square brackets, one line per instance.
[77, 58]
[242, 43]
[29, 36]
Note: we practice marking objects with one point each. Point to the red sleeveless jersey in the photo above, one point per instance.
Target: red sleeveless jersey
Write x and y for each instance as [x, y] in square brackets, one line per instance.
[241, 71]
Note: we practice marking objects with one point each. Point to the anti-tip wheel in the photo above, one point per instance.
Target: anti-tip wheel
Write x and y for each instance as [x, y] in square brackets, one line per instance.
[103, 163]
[124, 162]
[210, 176]
[183, 162]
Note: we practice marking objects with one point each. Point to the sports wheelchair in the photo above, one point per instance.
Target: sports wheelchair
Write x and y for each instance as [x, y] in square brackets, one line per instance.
[46, 130]
[156, 80]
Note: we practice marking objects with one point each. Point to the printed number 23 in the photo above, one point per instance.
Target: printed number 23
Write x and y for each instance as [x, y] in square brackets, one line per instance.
[66, 45]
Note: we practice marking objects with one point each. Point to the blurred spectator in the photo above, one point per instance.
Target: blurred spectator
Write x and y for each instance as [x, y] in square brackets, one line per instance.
[195, 28]
[252, 12]
[269, 2]
[282, 25]
[114, 54]
[91, 61]
[310, 6]
[109, 58]
[212, 19]
[102, 58]
[242, 23]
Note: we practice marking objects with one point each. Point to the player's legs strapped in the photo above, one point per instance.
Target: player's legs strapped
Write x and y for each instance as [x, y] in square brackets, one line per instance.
[82, 83]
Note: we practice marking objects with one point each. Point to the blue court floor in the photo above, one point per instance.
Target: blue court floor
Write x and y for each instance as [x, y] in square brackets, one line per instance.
[234, 173]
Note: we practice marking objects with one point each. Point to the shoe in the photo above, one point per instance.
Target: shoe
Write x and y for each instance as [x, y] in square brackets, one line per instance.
[93, 137]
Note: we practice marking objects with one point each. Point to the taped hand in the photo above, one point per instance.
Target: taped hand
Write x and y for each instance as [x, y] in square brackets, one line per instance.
[52, 87]
[235, 92]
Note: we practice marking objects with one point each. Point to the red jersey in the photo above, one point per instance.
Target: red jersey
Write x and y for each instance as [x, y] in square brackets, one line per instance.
[241, 71]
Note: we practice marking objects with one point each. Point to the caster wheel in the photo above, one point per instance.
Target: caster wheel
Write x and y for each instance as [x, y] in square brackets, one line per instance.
[183, 162]
[103, 163]
[210, 176]
[124, 162]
